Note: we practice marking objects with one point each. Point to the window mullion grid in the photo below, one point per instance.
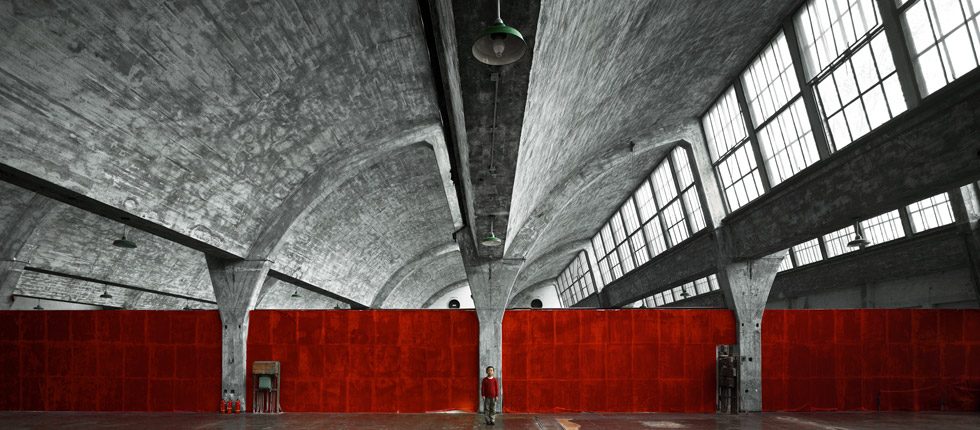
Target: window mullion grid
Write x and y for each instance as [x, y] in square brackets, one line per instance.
[628, 234]
[817, 129]
[588, 262]
[663, 224]
[680, 194]
[792, 257]
[823, 248]
[639, 219]
[561, 299]
[753, 138]
[901, 54]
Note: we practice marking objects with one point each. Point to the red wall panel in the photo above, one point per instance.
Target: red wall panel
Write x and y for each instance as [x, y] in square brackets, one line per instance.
[110, 360]
[369, 361]
[866, 359]
[627, 360]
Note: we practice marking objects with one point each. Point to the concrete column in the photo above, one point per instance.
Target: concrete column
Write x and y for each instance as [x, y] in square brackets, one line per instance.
[966, 209]
[237, 285]
[746, 286]
[491, 282]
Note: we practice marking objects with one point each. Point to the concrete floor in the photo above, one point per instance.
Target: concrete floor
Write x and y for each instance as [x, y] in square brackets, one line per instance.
[814, 421]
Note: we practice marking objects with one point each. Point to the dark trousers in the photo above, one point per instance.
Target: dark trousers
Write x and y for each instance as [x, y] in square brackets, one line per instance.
[489, 405]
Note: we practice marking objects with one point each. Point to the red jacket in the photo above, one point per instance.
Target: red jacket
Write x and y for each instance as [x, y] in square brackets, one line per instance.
[489, 388]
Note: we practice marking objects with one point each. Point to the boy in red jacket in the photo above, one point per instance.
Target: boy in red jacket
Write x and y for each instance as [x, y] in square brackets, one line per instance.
[489, 389]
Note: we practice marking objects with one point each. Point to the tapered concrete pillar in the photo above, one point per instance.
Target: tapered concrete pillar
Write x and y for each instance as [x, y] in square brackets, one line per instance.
[491, 282]
[236, 289]
[746, 286]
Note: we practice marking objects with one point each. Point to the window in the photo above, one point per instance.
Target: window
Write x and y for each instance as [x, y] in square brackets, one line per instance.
[661, 213]
[786, 264]
[944, 37]
[931, 213]
[883, 228]
[778, 113]
[575, 282]
[848, 61]
[836, 242]
[807, 252]
[681, 292]
[731, 153]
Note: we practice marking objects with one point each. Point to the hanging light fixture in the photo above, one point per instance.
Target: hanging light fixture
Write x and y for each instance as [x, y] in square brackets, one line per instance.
[499, 44]
[123, 242]
[295, 294]
[105, 294]
[492, 240]
[859, 241]
[38, 307]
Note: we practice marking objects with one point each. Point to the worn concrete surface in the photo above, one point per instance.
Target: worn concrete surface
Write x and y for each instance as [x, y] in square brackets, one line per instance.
[638, 71]
[774, 421]
[746, 285]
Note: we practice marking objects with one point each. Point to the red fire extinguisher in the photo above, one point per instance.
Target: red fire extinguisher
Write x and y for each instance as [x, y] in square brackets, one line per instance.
[238, 406]
[223, 404]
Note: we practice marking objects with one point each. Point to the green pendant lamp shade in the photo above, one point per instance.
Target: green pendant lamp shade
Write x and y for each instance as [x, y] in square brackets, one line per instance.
[499, 44]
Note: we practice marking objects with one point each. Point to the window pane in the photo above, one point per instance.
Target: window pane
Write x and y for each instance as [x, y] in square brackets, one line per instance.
[644, 199]
[787, 143]
[808, 252]
[931, 213]
[943, 38]
[836, 242]
[639, 245]
[674, 220]
[724, 126]
[786, 264]
[618, 230]
[853, 98]
[655, 236]
[683, 167]
[770, 81]
[629, 216]
[827, 28]
[693, 203]
[883, 228]
[663, 184]
[740, 177]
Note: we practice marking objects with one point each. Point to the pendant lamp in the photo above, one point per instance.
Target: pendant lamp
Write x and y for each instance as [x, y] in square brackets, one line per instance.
[499, 44]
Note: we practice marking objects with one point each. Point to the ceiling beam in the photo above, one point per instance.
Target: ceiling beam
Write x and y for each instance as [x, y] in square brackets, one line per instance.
[116, 284]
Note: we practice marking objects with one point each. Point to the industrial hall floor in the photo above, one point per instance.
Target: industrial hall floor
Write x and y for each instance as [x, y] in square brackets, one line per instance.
[767, 421]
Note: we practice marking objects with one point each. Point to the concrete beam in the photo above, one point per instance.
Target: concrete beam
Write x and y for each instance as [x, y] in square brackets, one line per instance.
[315, 289]
[929, 252]
[694, 259]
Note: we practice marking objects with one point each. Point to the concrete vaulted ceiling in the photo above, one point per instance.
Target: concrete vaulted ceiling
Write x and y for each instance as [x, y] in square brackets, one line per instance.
[605, 76]
[316, 135]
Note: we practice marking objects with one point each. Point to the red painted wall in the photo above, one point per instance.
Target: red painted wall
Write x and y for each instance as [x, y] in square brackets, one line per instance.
[629, 360]
[370, 361]
[110, 360]
[816, 360]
